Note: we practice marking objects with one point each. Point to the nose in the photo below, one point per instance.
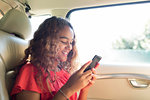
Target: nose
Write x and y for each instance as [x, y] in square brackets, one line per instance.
[69, 46]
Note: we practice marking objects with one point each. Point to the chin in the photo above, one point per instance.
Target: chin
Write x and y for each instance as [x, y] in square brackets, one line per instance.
[63, 60]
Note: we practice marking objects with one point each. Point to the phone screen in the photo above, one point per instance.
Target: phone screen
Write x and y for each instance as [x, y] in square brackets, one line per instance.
[95, 60]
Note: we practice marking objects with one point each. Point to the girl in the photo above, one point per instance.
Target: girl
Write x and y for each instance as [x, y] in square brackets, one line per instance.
[50, 59]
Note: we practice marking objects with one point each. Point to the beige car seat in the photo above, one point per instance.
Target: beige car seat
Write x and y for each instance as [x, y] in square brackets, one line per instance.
[15, 29]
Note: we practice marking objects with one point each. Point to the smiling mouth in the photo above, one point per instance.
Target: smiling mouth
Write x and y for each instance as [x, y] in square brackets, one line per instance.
[65, 53]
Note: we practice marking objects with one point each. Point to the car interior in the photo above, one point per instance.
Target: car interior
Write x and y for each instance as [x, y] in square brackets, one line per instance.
[115, 81]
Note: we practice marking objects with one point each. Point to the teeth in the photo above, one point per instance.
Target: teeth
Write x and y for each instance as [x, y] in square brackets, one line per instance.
[65, 53]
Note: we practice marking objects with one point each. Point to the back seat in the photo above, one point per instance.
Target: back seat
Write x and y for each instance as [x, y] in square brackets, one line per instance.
[15, 30]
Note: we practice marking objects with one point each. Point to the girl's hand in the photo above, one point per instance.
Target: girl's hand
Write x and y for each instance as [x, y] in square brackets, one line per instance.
[92, 81]
[80, 79]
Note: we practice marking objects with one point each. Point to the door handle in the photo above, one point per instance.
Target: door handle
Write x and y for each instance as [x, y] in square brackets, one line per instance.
[138, 83]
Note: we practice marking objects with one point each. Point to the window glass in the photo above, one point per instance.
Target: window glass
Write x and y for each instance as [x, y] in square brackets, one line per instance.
[36, 21]
[120, 33]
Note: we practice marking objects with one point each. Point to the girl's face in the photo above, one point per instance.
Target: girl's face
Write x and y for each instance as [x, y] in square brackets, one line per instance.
[65, 43]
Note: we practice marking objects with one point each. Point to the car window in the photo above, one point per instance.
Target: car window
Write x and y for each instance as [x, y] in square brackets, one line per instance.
[37, 20]
[119, 33]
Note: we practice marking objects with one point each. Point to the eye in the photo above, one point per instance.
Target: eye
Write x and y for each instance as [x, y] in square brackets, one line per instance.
[64, 42]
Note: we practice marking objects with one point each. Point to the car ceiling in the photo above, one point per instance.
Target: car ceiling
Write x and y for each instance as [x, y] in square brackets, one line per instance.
[45, 6]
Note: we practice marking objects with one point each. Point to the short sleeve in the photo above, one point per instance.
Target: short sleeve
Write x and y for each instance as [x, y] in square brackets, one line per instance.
[26, 80]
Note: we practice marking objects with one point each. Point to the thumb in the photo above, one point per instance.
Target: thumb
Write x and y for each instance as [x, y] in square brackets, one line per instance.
[84, 66]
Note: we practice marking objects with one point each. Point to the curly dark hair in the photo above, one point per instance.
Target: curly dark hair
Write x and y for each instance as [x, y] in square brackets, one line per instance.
[43, 47]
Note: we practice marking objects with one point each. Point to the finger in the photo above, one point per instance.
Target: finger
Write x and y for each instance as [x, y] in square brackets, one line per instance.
[87, 73]
[93, 71]
[91, 82]
[96, 65]
[93, 77]
[84, 66]
[89, 77]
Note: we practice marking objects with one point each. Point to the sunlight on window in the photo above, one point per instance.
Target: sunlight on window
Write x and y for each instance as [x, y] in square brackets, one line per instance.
[118, 33]
[37, 20]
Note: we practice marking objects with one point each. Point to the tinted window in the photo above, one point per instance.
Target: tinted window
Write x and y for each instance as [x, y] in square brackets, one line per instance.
[119, 33]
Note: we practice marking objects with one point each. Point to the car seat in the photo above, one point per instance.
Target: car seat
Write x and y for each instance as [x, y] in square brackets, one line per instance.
[15, 29]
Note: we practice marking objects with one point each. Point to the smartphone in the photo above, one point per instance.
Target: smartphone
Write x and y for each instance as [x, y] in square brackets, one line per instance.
[95, 60]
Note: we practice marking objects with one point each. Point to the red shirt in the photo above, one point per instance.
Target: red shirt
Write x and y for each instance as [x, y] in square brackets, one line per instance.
[26, 81]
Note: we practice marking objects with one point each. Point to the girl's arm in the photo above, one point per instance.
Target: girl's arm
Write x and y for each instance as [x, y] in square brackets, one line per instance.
[27, 95]
[30, 95]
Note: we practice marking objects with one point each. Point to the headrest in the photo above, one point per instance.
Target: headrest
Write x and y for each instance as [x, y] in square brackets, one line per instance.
[16, 22]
